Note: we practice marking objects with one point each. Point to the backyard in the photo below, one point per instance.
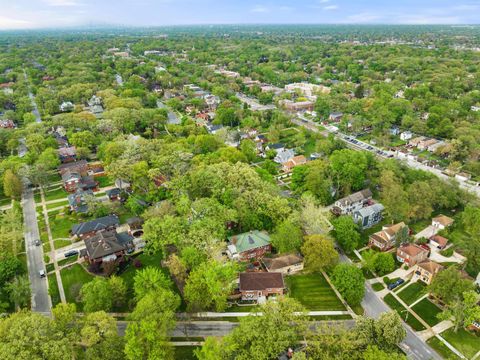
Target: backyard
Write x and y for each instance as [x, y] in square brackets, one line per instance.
[313, 292]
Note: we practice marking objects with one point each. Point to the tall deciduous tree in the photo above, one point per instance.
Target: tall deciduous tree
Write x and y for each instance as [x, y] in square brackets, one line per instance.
[97, 295]
[288, 236]
[12, 185]
[349, 281]
[346, 233]
[149, 279]
[319, 252]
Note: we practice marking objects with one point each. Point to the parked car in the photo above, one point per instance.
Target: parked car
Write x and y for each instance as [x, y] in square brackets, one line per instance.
[71, 253]
[42, 273]
[395, 284]
[37, 242]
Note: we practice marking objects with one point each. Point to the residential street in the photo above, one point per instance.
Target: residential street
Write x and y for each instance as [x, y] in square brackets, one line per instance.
[39, 286]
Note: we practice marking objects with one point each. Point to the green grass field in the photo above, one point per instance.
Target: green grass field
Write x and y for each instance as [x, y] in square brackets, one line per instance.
[313, 292]
[57, 204]
[104, 181]
[464, 341]
[378, 286]
[410, 320]
[441, 349]
[73, 278]
[53, 289]
[61, 225]
[185, 353]
[58, 193]
[412, 292]
[427, 311]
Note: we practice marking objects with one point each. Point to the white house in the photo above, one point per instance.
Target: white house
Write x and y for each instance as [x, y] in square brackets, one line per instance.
[406, 135]
[442, 221]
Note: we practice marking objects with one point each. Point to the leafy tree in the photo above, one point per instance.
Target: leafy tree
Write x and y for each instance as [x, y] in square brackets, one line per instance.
[27, 335]
[209, 285]
[381, 263]
[12, 185]
[463, 311]
[288, 236]
[349, 281]
[149, 279]
[118, 289]
[374, 353]
[9, 267]
[349, 168]
[346, 233]
[153, 318]
[19, 291]
[386, 332]
[449, 285]
[48, 159]
[319, 252]
[97, 295]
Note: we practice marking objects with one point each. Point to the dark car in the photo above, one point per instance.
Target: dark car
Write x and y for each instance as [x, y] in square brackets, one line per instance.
[396, 284]
[37, 242]
[71, 253]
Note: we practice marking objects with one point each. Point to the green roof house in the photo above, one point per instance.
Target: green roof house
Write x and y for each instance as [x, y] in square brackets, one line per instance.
[250, 245]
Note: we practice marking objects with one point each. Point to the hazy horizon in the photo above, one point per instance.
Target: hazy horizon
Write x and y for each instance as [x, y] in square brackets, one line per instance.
[48, 14]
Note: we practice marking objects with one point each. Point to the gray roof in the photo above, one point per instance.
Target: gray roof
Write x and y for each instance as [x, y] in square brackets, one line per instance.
[356, 197]
[370, 210]
[106, 243]
[284, 155]
[95, 225]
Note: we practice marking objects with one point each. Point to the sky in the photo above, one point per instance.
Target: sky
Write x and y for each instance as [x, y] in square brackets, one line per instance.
[31, 14]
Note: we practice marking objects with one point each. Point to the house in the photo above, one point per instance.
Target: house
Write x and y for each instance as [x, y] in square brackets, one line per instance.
[335, 116]
[71, 180]
[424, 144]
[462, 176]
[307, 89]
[284, 156]
[106, 246]
[259, 285]
[77, 201]
[385, 238]
[250, 245]
[426, 270]
[114, 194]
[415, 141]
[123, 185]
[66, 106]
[475, 108]
[213, 129]
[406, 135]
[277, 147]
[434, 147]
[438, 241]
[285, 264]
[368, 216]
[297, 106]
[80, 167]
[442, 221]
[91, 228]
[95, 106]
[352, 203]
[62, 140]
[295, 161]
[411, 254]
[67, 154]
[135, 226]
[7, 124]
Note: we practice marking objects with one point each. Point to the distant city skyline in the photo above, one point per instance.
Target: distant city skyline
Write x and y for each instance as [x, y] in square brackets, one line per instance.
[32, 14]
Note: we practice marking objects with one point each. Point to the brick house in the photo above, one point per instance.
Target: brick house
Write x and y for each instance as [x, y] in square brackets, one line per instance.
[91, 228]
[426, 270]
[411, 254]
[71, 180]
[285, 264]
[77, 201]
[250, 245]
[255, 285]
[67, 154]
[114, 194]
[107, 246]
[80, 167]
[295, 161]
[438, 241]
[352, 203]
[385, 238]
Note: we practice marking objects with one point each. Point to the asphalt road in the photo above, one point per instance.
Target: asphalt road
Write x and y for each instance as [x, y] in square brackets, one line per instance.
[39, 286]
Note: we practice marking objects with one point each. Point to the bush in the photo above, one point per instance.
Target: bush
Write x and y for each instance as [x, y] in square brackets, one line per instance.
[447, 252]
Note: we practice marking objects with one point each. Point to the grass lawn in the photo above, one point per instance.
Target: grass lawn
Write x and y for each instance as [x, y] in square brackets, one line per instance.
[412, 292]
[378, 286]
[73, 278]
[104, 181]
[464, 341]
[404, 314]
[313, 292]
[57, 204]
[441, 349]
[58, 193]
[59, 243]
[427, 311]
[185, 353]
[5, 201]
[61, 225]
[53, 289]
[68, 260]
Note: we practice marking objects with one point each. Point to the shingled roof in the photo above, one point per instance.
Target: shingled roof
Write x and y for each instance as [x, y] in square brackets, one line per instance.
[249, 240]
[106, 243]
[95, 225]
[261, 281]
[280, 262]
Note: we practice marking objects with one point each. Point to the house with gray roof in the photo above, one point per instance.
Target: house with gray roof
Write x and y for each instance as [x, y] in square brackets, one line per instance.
[352, 203]
[107, 246]
[284, 156]
[368, 216]
[90, 228]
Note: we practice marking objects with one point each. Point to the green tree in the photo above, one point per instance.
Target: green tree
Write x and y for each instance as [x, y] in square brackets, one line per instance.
[463, 311]
[12, 185]
[349, 168]
[319, 252]
[386, 332]
[449, 285]
[149, 279]
[48, 159]
[19, 291]
[97, 295]
[118, 289]
[349, 281]
[209, 286]
[346, 233]
[288, 236]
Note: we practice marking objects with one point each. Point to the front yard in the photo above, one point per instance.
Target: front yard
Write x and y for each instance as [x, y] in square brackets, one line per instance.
[427, 311]
[404, 314]
[73, 279]
[464, 341]
[412, 292]
[313, 292]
